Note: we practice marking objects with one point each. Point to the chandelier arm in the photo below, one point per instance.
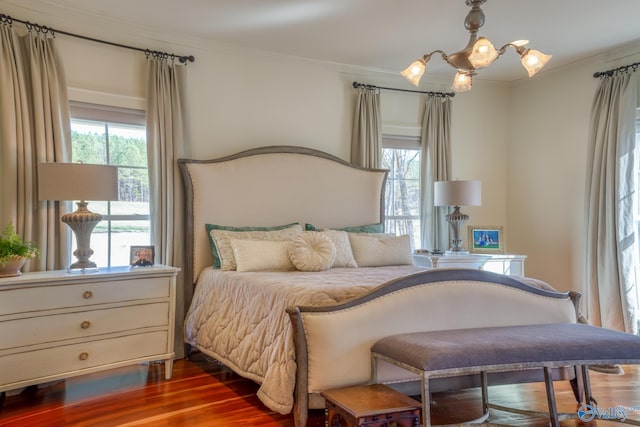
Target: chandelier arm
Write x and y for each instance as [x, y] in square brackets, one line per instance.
[519, 49]
[445, 58]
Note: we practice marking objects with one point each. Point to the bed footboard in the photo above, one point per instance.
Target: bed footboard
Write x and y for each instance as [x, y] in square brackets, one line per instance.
[333, 343]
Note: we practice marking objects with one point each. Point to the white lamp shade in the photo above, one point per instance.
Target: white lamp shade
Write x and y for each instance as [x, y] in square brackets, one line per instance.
[77, 181]
[457, 193]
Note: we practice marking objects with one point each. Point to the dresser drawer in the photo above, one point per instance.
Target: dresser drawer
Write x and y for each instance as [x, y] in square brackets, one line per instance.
[73, 359]
[50, 297]
[46, 329]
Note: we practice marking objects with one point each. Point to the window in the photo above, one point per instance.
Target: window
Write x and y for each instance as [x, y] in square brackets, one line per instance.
[402, 195]
[105, 135]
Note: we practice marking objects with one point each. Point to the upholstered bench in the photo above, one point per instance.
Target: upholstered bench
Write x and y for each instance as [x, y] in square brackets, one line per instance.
[436, 354]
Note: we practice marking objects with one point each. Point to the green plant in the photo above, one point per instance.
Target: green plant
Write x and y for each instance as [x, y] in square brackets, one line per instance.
[11, 244]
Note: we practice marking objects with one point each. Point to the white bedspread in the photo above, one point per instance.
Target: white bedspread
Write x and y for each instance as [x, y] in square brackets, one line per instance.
[239, 319]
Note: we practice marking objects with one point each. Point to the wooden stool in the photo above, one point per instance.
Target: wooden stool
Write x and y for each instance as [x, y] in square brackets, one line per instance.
[373, 405]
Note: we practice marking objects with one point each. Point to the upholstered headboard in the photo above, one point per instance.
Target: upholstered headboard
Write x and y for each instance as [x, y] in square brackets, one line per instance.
[274, 186]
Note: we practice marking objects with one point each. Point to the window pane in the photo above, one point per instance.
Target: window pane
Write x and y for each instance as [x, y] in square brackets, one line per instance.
[89, 142]
[127, 145]
[125, 234]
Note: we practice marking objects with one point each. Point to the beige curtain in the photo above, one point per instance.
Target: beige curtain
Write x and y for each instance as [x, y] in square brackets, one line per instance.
[435, 166]
[166, 142]
[611, 290]
[366, 139]
[34, 128]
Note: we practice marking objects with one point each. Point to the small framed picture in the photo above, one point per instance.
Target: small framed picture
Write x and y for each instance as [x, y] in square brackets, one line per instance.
[142, 256]
[486, 239]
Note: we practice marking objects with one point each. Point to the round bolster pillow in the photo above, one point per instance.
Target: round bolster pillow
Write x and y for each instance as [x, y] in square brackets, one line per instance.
[312, 251]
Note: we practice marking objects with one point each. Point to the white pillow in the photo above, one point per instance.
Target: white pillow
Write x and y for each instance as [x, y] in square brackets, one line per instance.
[379, 250]
[312, 251]
[261, 255]
[344, 255]
[221, 239]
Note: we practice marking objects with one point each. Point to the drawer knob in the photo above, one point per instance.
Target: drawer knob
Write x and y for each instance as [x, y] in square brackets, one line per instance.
[85, 324]
[87, 294]
[83, 356]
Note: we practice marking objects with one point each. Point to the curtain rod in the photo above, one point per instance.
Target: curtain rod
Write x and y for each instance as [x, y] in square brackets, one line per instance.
[610, 73]
[437, 94]
[44, 30]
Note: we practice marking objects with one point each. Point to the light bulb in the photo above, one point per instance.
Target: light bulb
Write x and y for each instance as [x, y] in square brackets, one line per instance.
[534, 60]
[483, 53]
[414, 72]
[462, 82]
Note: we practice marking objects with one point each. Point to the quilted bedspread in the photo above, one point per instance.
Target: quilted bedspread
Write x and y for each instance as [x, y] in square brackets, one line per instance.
[239, 318]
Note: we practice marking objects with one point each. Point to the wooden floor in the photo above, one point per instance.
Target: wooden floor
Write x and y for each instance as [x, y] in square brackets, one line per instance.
[204, 393]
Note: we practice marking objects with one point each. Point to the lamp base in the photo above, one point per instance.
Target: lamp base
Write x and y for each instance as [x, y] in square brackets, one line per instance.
[456, 219]
[82, 222]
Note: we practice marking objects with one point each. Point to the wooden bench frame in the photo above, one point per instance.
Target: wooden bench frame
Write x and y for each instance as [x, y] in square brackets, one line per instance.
[582, 376]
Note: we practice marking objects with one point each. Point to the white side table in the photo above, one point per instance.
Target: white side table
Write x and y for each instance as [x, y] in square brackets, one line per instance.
[503, 264]
[58, 324]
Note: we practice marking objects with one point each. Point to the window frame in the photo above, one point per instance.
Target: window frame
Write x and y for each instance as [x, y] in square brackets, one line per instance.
[111, 115]
[406, 143]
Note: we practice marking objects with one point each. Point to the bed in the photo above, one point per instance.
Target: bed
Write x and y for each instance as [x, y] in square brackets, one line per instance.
[297, 333]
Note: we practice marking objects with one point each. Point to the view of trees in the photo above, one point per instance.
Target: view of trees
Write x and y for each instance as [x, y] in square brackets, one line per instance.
[402, 204]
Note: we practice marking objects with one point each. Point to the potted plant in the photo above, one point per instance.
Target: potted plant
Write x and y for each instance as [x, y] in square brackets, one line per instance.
[14, 252]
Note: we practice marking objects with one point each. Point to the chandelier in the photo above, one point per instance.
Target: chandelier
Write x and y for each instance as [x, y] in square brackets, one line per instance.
[479, 53]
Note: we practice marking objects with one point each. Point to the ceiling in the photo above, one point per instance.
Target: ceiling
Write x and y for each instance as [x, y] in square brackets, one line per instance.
[377, 34]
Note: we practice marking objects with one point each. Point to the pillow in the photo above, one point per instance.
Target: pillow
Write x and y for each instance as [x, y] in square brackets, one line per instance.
[312, 251]
[209, 227]
[225, 252]
[368, 228]
[344, 255]
[381, 249]
[261, 255]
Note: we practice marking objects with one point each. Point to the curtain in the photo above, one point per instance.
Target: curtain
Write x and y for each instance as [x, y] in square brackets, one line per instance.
[34, 128]
[366, 139]
[167, 141]
[610, 293]
[435, 166]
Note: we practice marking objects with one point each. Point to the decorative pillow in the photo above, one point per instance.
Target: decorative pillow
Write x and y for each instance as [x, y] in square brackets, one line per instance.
[368, 228]
[225, 252]
[381, 249]
[261, 255]
[312, 251]
[344, 255]
[214, 251]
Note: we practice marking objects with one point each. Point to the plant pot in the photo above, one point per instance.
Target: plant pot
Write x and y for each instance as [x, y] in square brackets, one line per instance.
[11, 266]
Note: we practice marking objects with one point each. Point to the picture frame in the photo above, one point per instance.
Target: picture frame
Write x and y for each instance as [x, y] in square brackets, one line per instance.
[485, 239]
[142, 256]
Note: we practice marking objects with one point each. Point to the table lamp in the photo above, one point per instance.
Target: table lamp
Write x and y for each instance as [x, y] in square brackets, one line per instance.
[82, 182]
[456, 194]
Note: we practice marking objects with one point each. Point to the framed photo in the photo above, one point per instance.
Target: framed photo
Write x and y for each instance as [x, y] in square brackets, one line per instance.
[142, 256]
[486, 239]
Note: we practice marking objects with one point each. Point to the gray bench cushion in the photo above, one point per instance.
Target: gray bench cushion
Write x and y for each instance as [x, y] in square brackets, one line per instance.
[555, 342]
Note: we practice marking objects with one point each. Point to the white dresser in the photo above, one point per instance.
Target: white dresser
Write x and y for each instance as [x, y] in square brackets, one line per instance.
[499, 263]
[58, 324]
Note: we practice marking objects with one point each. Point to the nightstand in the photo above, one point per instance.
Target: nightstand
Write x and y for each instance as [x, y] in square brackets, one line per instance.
[512, 265]
[59, 324]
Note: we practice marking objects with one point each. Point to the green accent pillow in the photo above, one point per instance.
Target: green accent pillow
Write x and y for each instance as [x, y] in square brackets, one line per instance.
[209, 227]
[368, 228]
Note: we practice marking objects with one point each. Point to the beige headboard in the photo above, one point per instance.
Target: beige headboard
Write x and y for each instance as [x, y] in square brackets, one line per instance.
[274, 186]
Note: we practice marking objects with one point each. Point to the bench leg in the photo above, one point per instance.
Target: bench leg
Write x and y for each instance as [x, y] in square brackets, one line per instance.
[551, 398]
[485, 392]
[426, 401]
[588, 398]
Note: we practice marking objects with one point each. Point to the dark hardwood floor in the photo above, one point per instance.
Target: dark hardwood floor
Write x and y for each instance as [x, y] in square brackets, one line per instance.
[204, 393]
